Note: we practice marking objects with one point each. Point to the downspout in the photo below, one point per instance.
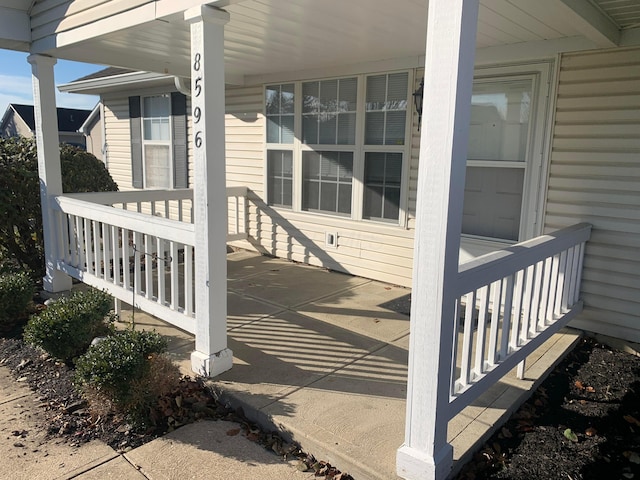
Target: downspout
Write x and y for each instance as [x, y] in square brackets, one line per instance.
[103, 149]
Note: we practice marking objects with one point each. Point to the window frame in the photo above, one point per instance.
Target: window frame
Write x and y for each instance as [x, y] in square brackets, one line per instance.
[168, 143]
[359, 150]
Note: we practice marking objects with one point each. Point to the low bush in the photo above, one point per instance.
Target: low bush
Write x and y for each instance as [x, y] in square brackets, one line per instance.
[66, 328]
[127, 371]
[16, 292]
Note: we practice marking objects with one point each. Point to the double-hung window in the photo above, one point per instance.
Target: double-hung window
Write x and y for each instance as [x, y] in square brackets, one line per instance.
[506, 144]
[338, 146]
[156, 141]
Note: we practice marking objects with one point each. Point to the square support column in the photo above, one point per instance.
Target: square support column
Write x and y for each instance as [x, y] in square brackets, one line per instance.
[49, 170]
[211, 356]
[448, 82]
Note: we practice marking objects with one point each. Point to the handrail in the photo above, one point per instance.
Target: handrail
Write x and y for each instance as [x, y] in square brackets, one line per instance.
[110, 198]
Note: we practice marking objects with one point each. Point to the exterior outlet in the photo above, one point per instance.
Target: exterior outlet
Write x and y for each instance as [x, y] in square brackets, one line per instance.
[331, 239]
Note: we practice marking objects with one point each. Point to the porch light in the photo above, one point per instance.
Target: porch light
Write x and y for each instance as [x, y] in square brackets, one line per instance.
[417, 100]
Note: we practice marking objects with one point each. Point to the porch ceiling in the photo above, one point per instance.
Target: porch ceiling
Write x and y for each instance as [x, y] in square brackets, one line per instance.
[268, 36]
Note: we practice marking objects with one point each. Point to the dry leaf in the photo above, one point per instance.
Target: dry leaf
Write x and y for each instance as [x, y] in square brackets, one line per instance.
[579, 385]
[506, 433]
[591, 389]
[590, 432]
[233, 432]
[632, 420]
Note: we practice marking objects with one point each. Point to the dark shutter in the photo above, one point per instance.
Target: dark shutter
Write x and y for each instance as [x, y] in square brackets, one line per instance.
[135, 126]
[179, 120]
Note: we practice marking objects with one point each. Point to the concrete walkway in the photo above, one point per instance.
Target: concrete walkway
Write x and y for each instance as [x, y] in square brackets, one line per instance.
[318, 356]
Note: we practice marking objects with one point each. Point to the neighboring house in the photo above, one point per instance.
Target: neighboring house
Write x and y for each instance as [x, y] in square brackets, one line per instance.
[531, 124]
[93, 130]
[19, 120]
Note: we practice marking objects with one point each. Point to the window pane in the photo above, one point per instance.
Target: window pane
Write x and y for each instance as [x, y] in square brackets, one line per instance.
[397, 91]
[394, 134]
[329, 166]
[382, 182]
[157, 166]
[348, 94]
[287, 99]
[374, 128]
[500, 117]
[492, 202]
[344, 198]
[347, 129]
[376, 92]
[311, 97]
[310, 195]
[273, 129]
[287, 128]
[310, 129]
[272, 100]
[311, 165]
[157, 106]
[327, 129]
[328, 196]
[328, 95]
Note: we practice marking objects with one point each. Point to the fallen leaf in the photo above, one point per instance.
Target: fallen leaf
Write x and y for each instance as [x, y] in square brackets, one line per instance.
[233, 432]
[579, 385]
[569, 435]
[632, 420]
[590, 432]
[590, 390]
[633, 457]
[506, 433]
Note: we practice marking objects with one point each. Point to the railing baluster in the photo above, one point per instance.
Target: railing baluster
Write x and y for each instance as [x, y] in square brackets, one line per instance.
[496, 292]
[106, 250]
[576, 293]
[453, 384]
[507, 313]
[526, 307]
[97, 251]
[543, 314]
[467, 338]
[535, 300]
[138, 251]
[175, 275]
[562, 269]
[517, 310]
[88, 245]
[162, 258]
[126, 262]
[188, 280]
[148, 266]
[481, 332]
[115, 238]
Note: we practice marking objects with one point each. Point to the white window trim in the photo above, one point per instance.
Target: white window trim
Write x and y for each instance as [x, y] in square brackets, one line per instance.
[535, 165]
[145, 142]
[359, 149]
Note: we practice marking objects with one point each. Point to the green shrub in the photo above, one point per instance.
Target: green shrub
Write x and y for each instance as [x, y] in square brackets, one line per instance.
[16, 291]
[20, 215]
[66, 328]
[127, 370]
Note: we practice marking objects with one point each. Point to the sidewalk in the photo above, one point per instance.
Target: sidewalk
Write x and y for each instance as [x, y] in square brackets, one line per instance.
[203, 450]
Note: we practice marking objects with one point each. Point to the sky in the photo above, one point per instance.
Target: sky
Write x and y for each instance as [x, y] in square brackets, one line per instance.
[16, 87]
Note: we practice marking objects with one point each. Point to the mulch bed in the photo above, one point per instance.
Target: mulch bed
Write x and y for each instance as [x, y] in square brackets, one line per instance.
[582, 423]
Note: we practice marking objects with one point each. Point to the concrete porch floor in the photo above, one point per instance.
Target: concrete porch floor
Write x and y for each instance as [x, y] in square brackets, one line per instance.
[317, 356]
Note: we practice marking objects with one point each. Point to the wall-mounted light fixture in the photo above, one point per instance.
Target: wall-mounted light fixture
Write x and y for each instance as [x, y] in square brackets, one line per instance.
[418, 95]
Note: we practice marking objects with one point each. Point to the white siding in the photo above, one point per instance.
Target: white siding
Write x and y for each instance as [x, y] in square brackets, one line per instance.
[595, 177]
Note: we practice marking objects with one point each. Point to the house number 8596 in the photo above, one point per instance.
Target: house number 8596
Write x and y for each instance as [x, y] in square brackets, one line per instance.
[197, 113]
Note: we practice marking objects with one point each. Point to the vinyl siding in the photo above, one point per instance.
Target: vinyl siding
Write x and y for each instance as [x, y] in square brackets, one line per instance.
[594, 177]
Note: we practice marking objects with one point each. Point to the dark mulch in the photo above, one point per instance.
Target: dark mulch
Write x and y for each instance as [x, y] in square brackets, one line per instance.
[68, 416]
[582, 423]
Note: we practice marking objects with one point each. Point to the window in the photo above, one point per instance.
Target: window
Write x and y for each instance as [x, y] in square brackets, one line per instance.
[342, 142]
[158, 128]
[506, 138]
[156, 141]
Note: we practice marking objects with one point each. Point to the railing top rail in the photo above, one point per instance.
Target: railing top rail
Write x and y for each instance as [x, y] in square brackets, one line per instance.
[110, 198]
[172, 230]
[493, 266]
[132, 196]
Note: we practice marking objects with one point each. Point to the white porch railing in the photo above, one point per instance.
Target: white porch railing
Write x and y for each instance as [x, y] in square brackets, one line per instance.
[139, 246]
[509, 303]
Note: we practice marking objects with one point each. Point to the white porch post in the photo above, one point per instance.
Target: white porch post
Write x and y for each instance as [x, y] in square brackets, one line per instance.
[450, 49]
[211, 356]
[46, 131]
